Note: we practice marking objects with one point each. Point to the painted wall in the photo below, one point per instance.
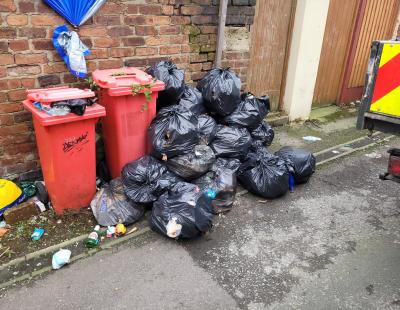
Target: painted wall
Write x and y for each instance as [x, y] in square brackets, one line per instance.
[305, 50]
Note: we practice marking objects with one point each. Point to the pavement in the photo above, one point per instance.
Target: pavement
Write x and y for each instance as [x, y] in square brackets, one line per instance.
[332, 244]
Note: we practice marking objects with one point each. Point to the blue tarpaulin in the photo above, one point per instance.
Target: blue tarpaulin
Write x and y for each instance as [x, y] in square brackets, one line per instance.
[76, 12]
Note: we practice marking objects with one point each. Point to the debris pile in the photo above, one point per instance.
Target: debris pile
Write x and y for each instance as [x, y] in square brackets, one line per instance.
[204, 141]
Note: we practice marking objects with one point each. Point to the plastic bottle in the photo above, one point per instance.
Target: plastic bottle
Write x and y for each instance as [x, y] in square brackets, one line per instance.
[211, 193]
[291, 183]
[93, 239]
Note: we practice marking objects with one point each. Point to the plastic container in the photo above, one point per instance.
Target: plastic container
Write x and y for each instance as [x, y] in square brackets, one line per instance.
[49, 95]
[66, 146]
[128, 114]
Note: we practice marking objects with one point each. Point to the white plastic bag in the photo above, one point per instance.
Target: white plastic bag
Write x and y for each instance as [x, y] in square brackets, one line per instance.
[173, 228]
[61, 258]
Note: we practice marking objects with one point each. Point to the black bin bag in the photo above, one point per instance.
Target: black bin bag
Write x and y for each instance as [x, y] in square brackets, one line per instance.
[207, 128]
[111, 206]
[249, 113]
[77, 106]
[221, 91]
[222, 182]
[264, 174]
[231, 142]
[301, 162]
[182, 212]
[174, 80]
[263, 135]
[192, 99]
[194, 164]
[173, 132]
[146, 179]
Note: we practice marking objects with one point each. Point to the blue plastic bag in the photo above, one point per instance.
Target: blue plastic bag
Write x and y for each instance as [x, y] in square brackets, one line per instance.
[71, 50]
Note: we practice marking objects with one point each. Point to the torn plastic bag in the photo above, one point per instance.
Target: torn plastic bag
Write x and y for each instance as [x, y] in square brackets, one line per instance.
[77, 106]
[55, 111]
[207, 128]
[221, 91]
[249, 113]
[60, 258]
[192, 100]
[264, 174]
[193, 164]
[111, 206]
[301, 162]
[146, 179]
[231, 142]
[173, 132]
[174, 80]
[71, 50]
[182, 212]
[222, 182]
[263, 135]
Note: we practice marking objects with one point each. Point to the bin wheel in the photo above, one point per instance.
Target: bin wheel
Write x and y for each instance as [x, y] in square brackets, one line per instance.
[383, 176]
[41, 192]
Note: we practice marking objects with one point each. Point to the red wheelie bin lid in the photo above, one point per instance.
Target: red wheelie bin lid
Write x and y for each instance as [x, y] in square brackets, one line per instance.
[47, 95]
[59, 94]
[119, 81]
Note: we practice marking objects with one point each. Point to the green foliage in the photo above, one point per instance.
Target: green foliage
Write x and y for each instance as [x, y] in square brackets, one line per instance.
[92, 84]
[118, 74]
[146, 90]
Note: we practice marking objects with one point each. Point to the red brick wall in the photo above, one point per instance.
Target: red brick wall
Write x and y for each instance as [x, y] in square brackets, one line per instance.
[123, 33]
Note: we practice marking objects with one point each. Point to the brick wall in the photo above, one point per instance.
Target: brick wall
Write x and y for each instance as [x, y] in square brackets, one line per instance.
[123, 33]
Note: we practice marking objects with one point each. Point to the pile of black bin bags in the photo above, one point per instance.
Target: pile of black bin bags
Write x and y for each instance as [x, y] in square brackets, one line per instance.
[204, 141]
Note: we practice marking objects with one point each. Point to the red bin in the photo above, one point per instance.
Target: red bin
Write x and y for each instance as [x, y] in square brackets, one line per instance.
[66, 146]
[129, 114]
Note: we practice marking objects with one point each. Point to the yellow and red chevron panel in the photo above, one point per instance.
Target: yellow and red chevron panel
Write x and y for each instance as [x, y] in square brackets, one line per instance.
[386, 96]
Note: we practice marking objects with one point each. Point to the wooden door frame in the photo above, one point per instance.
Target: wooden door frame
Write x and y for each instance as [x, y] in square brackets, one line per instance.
[346, 93]
[287, 52]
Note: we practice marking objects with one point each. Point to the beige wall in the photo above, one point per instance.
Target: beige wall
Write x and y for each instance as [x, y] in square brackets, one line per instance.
[305, 50]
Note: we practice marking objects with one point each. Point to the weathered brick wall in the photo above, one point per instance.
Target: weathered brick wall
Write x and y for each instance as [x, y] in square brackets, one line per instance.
[123, 33]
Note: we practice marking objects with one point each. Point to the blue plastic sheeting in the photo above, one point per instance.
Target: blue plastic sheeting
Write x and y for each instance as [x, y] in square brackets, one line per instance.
[71, 50]
[76, 12]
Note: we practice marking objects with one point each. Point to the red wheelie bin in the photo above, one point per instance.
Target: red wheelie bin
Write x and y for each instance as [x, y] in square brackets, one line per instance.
[66, 146]
[129, 113]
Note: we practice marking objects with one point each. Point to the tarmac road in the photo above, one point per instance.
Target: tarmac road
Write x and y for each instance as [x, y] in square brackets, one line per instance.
[333, 244]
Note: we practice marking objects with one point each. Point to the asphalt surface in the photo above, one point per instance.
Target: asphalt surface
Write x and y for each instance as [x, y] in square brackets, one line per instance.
[332, 244]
